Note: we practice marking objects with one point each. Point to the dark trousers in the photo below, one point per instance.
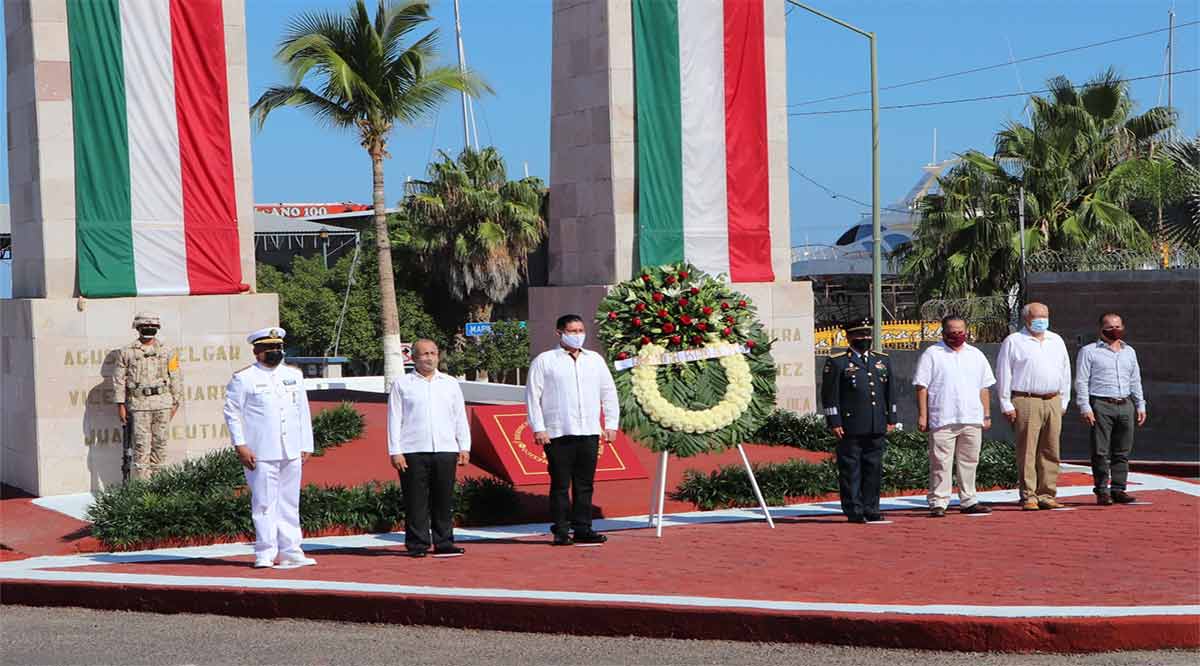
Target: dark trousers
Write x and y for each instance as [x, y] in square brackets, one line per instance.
[1112, 442]
[572, 462]
[428, 485]
[860, 473]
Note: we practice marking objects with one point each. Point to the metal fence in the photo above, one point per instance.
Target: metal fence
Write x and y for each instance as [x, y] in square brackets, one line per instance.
[1169, 258]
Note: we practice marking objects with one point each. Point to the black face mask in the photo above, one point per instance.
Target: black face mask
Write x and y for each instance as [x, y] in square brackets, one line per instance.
[860, 344]
[273, 357]
[148, 331]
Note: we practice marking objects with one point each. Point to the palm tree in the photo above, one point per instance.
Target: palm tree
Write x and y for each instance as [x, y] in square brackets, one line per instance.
[368, 77]
[475, 226]
[968, 239]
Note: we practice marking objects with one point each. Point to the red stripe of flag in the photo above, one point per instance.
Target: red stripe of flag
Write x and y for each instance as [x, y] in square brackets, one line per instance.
[748, 187]
[205, 153]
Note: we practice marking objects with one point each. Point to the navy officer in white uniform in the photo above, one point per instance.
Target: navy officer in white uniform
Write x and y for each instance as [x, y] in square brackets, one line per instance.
[266, 410]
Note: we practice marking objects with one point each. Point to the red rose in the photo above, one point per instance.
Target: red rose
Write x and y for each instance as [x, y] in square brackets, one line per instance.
[741, 304]
[658, 297]
[750, 344]
[645, 340]
[707, 310]
[697, 339]
[670, 279]
[726, 331]
[686, 320]
[636, 321]
[683, 302]
[701, 326]
[730, 319]
[662, 314]
[683, 275]
[645, 278]
[675, 339]
[640, 307]
[724, 306]
[668, 327]
[622, 356]
[695, 290]
[612, 316]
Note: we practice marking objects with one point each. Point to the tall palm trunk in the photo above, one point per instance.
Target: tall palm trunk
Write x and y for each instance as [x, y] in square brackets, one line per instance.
[393, 357]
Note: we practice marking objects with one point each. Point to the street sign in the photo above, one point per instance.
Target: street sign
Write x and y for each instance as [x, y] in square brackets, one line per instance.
[478, 329]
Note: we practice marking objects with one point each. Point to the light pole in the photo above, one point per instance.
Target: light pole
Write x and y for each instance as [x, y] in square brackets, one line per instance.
[876, 240]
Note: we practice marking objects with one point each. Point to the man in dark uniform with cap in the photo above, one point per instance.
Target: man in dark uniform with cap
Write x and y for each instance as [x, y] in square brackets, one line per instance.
[856, 393]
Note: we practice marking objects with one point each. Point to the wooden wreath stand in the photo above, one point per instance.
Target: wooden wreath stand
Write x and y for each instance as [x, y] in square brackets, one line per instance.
[658, 492]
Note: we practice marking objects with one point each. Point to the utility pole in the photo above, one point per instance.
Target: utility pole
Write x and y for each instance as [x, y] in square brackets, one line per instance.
[462, 67]
[1021, 218]
[876, 232]
[1170, 58]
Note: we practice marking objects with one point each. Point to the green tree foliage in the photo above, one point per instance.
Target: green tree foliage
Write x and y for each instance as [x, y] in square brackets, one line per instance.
[369, 73]
[501, 353]
[475, 227]
[1067, 159]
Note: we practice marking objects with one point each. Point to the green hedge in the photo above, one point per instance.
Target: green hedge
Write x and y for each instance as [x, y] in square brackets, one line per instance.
[206, 499]
[905, 468]
[336, 426]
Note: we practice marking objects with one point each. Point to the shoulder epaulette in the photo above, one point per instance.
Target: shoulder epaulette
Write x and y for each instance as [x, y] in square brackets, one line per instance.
[245, 367]
[879, 353]
[837, 355]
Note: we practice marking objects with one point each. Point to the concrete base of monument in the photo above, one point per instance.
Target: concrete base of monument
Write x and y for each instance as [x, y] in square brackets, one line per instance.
[58, 423]
[1010, 581]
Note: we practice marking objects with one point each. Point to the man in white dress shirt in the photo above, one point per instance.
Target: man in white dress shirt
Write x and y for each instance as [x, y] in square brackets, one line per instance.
[266, 410]
[427, 434]
[953, 406]
[1033, 376]
[565, 391]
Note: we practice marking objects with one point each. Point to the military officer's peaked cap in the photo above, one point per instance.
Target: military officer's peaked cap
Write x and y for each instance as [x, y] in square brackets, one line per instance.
[146, 319]
[272, 335]
[857, 325]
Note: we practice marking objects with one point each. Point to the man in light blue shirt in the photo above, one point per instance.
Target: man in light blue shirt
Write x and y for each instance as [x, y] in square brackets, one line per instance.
[1108, 390]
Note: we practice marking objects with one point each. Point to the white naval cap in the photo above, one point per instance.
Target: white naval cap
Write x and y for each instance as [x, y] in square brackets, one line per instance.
[272, 335]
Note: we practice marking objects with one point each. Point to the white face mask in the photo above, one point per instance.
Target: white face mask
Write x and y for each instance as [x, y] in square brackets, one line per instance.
[574, 340]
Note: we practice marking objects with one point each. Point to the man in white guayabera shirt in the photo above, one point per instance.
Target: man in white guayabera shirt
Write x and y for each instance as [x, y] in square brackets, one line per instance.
[1033, 376]
[952, 383]
[566, 388]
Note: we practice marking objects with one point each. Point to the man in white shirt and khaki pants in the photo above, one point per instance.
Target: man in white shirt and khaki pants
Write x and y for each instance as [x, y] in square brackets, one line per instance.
[1033, 376]
[953, 406]
[566, 388]
[428, 434]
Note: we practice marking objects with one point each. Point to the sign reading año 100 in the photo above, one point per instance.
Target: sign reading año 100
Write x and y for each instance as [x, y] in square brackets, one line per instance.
[303, 210]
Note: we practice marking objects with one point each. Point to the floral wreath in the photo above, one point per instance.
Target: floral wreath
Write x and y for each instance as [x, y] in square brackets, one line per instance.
[714, 398]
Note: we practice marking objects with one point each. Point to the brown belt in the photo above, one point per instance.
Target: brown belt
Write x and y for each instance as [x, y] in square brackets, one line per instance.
[1115, 401]
[1039, 396]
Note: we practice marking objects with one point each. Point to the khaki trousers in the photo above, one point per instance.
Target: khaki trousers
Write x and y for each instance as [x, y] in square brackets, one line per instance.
[1039, 424]
[953, 447]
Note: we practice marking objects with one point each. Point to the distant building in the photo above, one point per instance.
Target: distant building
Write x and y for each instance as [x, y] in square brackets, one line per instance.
[841, 272]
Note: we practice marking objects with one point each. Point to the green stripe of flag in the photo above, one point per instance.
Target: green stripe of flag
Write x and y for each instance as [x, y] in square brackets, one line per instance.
[660, 175]
[104, 237]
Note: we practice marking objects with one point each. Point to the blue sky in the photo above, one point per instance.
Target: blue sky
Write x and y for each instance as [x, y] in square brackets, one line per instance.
[508, 43]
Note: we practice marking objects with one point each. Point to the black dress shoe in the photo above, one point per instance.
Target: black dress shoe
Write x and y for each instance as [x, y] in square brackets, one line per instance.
[415, 553]
[937, 512]
[1104, 499]
[1122, 497]
[589, 539]
[563, 540]
[452, 551]
[857, 519]
[874, 517]
[979, 508]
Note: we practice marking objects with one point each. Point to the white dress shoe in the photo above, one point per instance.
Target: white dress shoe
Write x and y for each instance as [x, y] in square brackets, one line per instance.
[294, 561]
[263, 564]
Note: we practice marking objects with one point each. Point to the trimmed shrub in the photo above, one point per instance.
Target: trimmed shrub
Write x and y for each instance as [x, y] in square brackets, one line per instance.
[336, 426]
[785, 428]
[905, 468]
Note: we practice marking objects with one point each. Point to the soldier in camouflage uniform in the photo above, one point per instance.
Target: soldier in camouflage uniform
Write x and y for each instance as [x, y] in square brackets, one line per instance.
[148, 387]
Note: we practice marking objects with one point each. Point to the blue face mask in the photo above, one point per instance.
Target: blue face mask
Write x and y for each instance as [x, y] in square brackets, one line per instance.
[574, 340]
[1040, 325]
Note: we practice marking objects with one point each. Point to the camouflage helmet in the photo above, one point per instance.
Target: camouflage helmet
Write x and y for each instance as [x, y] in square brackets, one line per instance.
[146, 319]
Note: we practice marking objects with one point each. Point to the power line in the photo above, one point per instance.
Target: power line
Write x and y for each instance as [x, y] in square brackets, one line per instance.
[978, 99]
[839, 195]
[996, 66]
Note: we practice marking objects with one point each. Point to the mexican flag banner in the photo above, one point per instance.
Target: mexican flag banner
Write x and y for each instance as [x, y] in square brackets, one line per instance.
[700, 87]
[155, 210]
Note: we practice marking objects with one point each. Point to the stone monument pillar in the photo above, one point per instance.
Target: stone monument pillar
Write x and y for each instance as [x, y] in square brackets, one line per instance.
[59, 431]
[594, 185]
